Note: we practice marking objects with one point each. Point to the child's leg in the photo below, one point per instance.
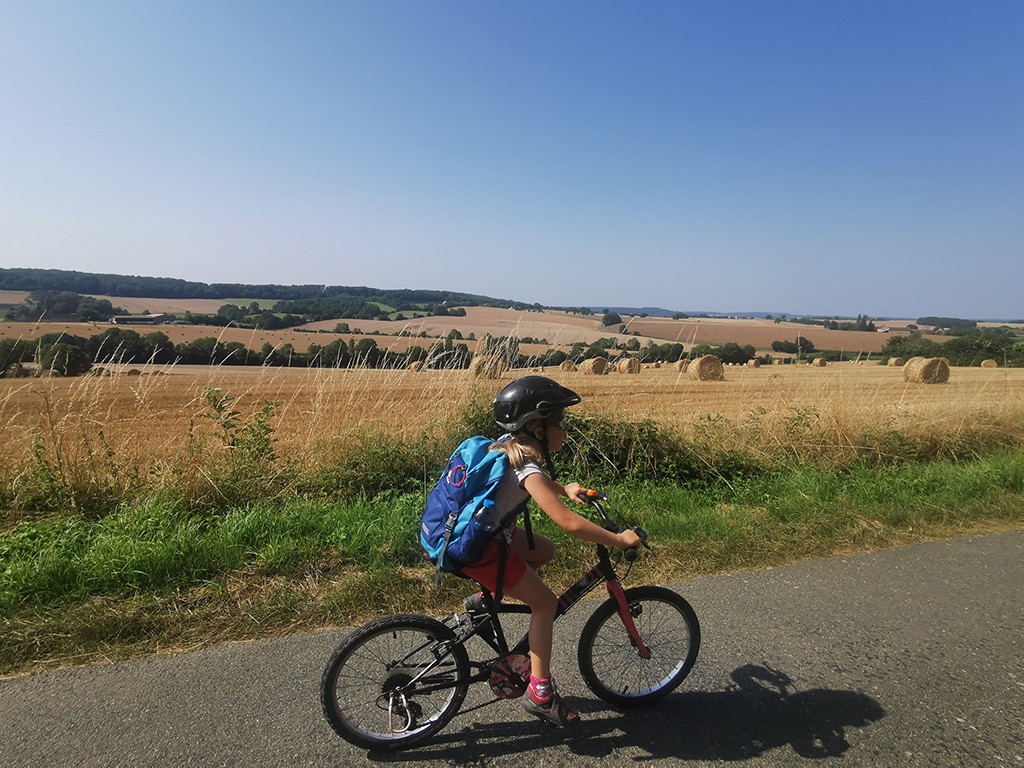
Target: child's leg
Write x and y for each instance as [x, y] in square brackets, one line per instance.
[543, 604]
[543, 551]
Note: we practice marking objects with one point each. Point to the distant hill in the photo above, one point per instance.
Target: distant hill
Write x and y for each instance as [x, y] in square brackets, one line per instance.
[662, 312]
[89, 283]
[651, 311]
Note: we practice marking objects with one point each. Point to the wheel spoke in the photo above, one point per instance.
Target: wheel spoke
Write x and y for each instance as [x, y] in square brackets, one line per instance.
[371, 692]
[611, 661]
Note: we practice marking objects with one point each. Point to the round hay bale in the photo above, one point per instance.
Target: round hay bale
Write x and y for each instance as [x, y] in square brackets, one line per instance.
[594, 366]
[707, 368]
[896, 362]
[753, 363]
[416, 366]
[819, 362]
[989, 364]
[657, 364]
[50, 373]
[682, 365]
[629, 365]
[926, 370]
[133, 372]
[568, 365]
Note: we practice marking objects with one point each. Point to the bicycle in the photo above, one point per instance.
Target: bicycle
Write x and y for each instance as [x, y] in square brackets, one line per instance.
[398, 680]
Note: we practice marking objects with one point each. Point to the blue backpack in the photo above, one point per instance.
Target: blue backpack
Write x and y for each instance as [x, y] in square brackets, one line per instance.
[460, 518]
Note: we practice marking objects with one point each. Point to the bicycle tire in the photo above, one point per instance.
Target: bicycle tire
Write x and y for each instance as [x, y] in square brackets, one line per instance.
[608, 658]
[365, 693]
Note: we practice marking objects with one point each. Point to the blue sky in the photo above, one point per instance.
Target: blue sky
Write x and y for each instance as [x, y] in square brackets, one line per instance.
[806, 157]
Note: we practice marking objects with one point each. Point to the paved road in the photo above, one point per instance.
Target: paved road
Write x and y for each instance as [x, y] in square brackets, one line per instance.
[909, 657]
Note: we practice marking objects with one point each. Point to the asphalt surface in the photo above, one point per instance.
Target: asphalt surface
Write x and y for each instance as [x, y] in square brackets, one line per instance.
[908, 657]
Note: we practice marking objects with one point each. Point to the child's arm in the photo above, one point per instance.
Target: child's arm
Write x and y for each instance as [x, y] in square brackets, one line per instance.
[546, 492]
[570, 491]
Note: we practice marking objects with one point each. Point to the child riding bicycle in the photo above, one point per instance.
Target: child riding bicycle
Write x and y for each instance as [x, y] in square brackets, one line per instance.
[532, 411]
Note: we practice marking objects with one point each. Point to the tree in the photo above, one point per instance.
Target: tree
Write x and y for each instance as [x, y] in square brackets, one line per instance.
[802, 346]
[701, 349]
[231, 313]
[335, 355]
[611, 318]
[198, 351]
[158, 348]
[66, 359]
[117, 345]
[731, 352]
[92, 310]
[554, 357]
[233, 353]
[367, 353]
[13, 351]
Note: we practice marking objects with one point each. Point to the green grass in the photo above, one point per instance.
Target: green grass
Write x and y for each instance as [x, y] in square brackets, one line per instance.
[159, 573]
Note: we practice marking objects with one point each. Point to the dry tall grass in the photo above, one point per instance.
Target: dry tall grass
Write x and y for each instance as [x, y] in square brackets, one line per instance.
[145, 422]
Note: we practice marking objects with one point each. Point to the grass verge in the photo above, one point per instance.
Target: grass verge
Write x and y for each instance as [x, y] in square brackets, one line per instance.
[160, 575]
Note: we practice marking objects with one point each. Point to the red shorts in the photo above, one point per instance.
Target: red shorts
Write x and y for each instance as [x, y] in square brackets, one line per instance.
[486, 570]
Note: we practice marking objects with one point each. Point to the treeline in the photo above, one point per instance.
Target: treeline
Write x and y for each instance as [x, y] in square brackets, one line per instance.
[970, 348]
[41, 304]
[862, 323]
[948, 323]
[21, 279]
[284, 314]
[71, 355]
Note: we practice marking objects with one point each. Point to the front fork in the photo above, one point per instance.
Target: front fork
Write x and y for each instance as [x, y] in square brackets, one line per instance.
[616, 591]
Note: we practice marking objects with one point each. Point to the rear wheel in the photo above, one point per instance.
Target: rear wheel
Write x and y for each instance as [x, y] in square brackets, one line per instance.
[394, 682]
[610, 660]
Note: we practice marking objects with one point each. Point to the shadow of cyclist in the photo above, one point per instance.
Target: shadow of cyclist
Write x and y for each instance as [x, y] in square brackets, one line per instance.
[759, 712]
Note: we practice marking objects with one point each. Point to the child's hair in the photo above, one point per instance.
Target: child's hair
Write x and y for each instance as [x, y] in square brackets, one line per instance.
[523, 446]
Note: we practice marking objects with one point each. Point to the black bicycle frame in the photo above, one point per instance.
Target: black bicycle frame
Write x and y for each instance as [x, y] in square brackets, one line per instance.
[604, 571]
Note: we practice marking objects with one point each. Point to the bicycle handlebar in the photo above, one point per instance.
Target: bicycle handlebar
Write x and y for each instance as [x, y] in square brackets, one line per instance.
[599, 501]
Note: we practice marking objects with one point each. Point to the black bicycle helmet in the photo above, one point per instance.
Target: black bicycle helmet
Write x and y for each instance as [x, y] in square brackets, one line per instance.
[531, 397]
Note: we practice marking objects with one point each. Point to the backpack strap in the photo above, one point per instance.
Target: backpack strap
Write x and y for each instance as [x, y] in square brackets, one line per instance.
[449, 526]
[527, 525]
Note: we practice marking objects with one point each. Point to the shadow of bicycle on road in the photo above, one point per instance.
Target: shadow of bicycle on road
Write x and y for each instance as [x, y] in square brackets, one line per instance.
[760, 711]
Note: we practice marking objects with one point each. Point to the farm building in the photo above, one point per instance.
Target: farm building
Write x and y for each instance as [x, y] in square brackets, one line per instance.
[158, 319]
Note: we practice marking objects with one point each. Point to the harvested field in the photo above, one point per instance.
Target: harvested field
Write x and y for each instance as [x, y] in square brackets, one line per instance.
[146, 419]
[252, 339]
[136, 306]
[560, 329]
[759, 333]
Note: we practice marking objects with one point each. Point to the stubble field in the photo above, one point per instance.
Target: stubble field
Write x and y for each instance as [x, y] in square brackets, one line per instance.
[148, 512]
[831, 411]
[559, 330]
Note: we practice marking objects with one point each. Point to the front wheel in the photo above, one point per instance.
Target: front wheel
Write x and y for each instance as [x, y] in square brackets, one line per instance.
[610, 661]
[394, 682]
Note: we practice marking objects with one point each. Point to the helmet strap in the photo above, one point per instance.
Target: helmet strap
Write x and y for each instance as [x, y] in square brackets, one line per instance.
[548, 461]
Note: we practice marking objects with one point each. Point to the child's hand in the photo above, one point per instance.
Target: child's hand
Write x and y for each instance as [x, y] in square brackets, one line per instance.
[628, 539]
[575, 491]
